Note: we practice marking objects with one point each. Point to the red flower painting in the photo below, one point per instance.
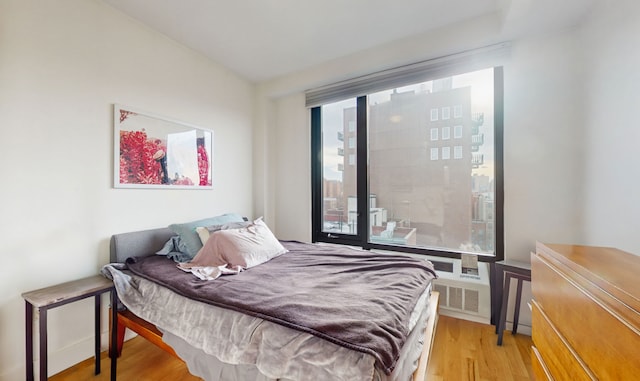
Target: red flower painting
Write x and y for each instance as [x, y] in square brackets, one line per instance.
[143, 161]
[203, 164]
[151, 147]
[138, 163]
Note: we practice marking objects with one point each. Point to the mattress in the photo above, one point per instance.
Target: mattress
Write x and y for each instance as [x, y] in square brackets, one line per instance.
[222, 344]
[211, 368]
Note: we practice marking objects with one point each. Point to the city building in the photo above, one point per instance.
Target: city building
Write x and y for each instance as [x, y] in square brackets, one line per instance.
[423, 147]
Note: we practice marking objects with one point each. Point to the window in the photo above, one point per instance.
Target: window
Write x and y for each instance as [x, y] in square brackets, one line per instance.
[338, 184]
[457, 111]
[446, 133]
[457, 132]
[457, 152]
[434, 153]
[405, 190]
[434, 134]
[446, 113]
[446, 153]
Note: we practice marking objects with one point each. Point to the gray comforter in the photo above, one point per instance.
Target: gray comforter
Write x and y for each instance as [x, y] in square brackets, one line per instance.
[353, 298]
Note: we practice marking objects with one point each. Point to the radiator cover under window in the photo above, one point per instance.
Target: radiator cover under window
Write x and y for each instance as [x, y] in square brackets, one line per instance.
[463, 296]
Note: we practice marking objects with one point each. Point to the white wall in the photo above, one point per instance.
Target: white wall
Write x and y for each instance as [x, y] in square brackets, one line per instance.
[611, 46]
[293, 164]
[543, 144]
[63, 65]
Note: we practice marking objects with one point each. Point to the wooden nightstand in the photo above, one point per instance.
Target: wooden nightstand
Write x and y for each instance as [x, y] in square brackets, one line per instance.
[61, 294]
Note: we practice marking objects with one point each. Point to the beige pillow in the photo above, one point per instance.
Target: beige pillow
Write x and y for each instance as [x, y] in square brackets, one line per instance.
[246, 247]
[203, 234]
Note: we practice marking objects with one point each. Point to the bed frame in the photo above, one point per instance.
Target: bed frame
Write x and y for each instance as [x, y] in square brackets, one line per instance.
[142, 243]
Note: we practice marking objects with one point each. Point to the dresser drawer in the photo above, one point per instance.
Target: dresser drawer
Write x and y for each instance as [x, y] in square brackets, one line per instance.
[555, 353]
[598, 336]
[540, 371]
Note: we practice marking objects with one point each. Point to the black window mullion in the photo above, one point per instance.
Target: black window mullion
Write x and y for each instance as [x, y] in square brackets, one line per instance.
[316, 173]
[362, 162]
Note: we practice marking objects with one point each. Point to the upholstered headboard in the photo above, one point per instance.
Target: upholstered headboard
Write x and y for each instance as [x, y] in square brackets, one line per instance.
[138, 244]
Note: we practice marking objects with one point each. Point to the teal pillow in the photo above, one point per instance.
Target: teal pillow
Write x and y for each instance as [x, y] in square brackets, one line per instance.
[190, 242]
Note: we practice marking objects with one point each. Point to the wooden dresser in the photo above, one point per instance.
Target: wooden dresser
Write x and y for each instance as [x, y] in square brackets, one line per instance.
[585, 313]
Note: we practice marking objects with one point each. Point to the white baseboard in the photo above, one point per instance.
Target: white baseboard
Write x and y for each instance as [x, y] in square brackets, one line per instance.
[524, 329]
[463, 316]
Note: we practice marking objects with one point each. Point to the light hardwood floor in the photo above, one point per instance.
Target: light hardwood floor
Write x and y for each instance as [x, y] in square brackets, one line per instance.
[462, 350]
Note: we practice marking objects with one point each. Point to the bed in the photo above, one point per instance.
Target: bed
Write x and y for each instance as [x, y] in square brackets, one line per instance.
[266, 323]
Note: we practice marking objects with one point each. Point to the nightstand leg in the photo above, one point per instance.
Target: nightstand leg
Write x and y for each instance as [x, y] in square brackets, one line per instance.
[97, 340]
[516, 314]
[29, 344]
[503, 310]
[114, 334]
[498, 284]
[43, 343]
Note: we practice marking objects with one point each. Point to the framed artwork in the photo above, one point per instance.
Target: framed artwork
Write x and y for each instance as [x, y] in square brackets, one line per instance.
[151, 151]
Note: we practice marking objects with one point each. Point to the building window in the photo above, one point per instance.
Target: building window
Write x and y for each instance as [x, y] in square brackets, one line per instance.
[457, 132]
[434, 114]
[434, 134]
[457, 111]
[446, 113]
[446, 133]
[352, 126]
[457, 152]
[434, 153]
[446, 153]
[438, 212]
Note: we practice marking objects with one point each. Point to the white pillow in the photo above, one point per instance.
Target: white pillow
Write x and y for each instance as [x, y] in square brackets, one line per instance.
[246, 247]
[205, 231]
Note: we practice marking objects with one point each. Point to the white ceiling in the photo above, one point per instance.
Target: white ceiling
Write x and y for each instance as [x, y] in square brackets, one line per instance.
[265, 39]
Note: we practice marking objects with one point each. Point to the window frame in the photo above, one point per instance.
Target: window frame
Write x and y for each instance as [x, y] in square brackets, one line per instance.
[457, 152]
[434, 153]
[434, 115]
[433, 133]
[446, 149]
[457, 111]
[361, 237]
[446, 115]
[456, 128]
[446, 136]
